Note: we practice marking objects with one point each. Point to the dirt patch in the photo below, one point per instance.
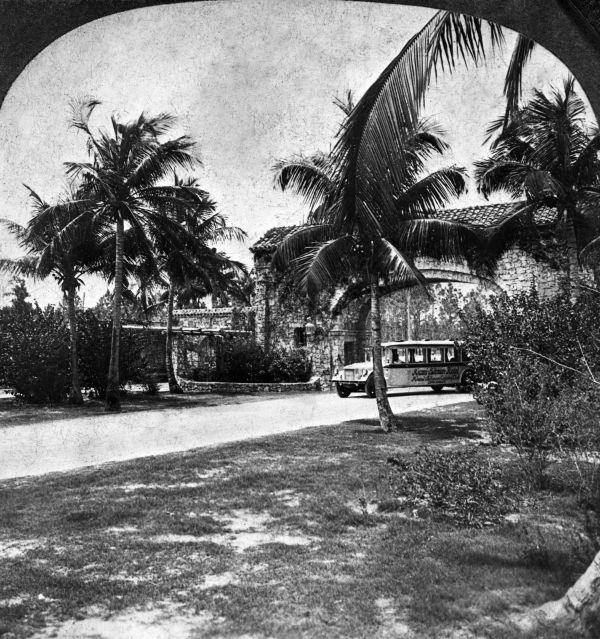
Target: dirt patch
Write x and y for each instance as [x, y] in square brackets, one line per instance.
[246, 520]
[132, 624]
[219, 581]
[288, 497]
[391, 626]
[245, 540]
[16, 549]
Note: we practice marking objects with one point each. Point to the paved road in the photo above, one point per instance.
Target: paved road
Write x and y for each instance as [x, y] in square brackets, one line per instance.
[60, 445]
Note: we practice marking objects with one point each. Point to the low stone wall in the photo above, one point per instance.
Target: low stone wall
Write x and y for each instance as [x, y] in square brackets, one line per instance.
[191, 386]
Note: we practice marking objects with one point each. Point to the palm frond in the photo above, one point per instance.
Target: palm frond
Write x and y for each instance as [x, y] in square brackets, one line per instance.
[81, 112]
[324, 264]
[297, 242]
[443, 240]
[432, 192]
[25, 266]
[513, 83]
[397, 267]
[372, 137]
[591, 251]
[310, 177]
[156, 160]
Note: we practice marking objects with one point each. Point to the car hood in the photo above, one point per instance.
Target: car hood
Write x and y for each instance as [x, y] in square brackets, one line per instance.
[359, 366]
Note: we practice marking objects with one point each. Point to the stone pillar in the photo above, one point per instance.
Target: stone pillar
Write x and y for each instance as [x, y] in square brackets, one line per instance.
[261, 301]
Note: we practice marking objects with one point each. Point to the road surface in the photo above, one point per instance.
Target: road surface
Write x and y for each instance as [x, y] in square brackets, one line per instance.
[60, 445]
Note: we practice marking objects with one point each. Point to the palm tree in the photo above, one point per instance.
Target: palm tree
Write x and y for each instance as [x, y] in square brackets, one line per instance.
[67, 263]
[547, 154]
[192, 267]
[120, 187]
[368, 238]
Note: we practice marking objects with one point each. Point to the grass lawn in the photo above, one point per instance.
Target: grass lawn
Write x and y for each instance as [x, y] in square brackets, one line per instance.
[15, 413]
[268, 538]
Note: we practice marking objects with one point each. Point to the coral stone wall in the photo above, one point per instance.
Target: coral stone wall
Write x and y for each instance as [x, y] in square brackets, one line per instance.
[518, 272]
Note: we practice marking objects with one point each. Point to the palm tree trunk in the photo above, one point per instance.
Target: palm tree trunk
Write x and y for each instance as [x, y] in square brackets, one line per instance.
[174, 387]
[579, 608]
[75, 396]
[409, 332]
[386, 416]
[573, 264]
[113, 398]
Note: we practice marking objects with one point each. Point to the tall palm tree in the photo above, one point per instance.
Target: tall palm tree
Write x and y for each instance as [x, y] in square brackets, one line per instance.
[67, 263]
[373, 240]
[192, 267]
[547, 154]
[121, 187]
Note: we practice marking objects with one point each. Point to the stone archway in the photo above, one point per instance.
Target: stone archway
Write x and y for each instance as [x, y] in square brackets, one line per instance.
[570, 29]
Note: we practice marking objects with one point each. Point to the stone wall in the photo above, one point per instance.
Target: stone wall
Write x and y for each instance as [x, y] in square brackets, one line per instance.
[190, 386]
[281, 317]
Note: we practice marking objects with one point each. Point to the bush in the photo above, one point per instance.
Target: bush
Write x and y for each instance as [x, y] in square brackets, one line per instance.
[463, 486]
[240, 360]
[94, 354]
[540, 356]
[34, 353]
[534, 410]
[507, 327]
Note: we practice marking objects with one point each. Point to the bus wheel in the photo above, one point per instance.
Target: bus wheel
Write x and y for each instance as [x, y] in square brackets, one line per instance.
[437, 388]
[342, 391]
[370, 387]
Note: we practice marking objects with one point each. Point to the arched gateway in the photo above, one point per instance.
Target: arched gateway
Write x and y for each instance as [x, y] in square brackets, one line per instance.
[570, 29]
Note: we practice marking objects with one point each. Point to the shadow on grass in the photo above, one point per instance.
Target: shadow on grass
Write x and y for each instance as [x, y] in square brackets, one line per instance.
[428, 427]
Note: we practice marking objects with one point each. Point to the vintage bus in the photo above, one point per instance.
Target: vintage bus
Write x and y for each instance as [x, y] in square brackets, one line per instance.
[406, 364]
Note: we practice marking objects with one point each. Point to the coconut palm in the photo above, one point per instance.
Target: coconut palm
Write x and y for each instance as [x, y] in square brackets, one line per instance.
[191, 266]
[374, 240]
[547, 154]
[67, 263]
[121, 187]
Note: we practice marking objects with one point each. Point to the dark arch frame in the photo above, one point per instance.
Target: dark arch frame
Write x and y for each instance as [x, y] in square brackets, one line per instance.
[570, 29]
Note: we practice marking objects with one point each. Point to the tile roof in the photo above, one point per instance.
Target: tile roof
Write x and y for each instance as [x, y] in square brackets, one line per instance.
[270, 240]
[483, 215]
[492, 214]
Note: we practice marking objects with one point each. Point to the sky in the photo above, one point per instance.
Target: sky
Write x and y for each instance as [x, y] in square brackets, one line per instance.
[251, 81]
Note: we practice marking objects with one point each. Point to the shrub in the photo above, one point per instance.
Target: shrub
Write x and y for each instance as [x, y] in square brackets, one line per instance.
[535, 411]
[240, 360]
[557, 328]
[34, 353]
[540, 356]
[289, 365]
[94, 354]
[464, 486]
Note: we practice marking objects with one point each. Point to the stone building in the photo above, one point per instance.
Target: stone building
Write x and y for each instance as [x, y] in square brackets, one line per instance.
[284, 318]
[335, 334]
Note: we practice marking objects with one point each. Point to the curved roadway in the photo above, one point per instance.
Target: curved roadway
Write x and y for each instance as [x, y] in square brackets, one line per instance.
[66, 444]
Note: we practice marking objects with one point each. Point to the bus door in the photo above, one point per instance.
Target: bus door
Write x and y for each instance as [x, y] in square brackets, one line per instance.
[394, 370]
[416, 367]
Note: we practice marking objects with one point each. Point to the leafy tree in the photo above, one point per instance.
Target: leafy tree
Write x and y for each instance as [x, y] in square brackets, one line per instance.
[20, 295]
[67, 261]
[34, 350]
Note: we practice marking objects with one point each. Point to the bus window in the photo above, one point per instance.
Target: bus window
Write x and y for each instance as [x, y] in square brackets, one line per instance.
[450, 355]
[394, 355]
[402, 356]
[419, 355]
[436, 355]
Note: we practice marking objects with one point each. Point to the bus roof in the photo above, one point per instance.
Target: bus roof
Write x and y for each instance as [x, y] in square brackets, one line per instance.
[419, 344]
